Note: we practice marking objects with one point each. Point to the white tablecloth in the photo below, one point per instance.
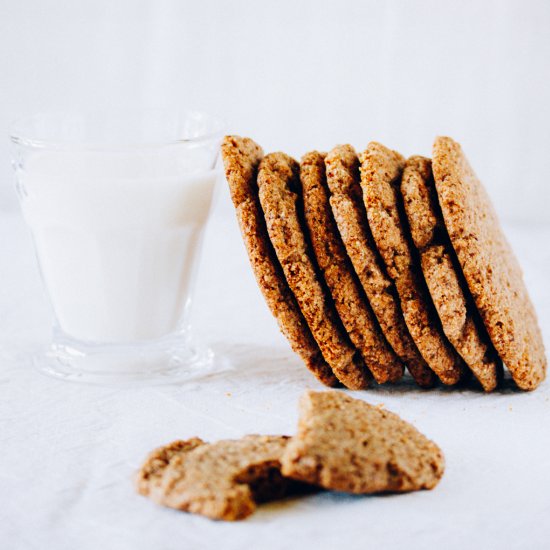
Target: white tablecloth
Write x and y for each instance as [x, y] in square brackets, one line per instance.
[68, 451]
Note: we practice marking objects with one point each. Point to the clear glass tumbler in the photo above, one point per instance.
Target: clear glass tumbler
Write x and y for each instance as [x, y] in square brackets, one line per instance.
[117, 205]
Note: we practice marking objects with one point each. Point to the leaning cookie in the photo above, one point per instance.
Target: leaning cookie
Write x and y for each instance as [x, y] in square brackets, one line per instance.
[459, 317]
[489, 266]
[223, 480]
[351, 304]
[241, 157]
[279, 193]
[345, 444]
[381, 170]
[342, 173]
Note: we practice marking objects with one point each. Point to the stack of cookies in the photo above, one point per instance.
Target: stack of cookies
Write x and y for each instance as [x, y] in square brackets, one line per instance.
[376, 263]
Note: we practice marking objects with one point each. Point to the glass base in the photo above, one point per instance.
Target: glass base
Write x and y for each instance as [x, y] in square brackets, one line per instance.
[162, 362]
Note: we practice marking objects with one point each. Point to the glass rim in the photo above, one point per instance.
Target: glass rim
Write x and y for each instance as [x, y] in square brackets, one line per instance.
[18, 135]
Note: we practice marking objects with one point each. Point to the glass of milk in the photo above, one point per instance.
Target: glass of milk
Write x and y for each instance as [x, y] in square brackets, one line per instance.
[117, 205]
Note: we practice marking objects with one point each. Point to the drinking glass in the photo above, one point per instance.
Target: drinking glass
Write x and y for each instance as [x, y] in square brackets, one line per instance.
[117, 204]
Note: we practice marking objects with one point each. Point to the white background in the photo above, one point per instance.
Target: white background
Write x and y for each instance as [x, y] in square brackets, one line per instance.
[292, 75]
[303, 74]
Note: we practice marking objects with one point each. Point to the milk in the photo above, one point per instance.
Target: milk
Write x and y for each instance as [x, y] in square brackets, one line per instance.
[117, 235]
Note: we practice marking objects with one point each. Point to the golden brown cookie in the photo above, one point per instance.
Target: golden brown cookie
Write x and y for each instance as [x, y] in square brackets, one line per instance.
[279, 192]
[342, 172]
[222, 480]
[149, 477]
[381, 170]
[241, 157]
[345, 444]
[459, 317]
[349, 300]
[489, 266]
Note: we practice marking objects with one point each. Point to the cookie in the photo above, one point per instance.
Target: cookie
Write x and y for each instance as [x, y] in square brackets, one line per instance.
[279, 193]
[342, 173]
[241, 157]
[149, 477]
[345, 444]
[223, 480]
[489, 266]
[459, 317]
[381, 171]
[349, 300]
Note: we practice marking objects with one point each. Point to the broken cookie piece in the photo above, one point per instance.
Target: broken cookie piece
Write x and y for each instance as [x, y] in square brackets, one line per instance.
[345, 444]
[223, 480]
[150, 475]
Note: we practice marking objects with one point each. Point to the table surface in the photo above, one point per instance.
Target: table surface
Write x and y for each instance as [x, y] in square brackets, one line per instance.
[69, 451]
